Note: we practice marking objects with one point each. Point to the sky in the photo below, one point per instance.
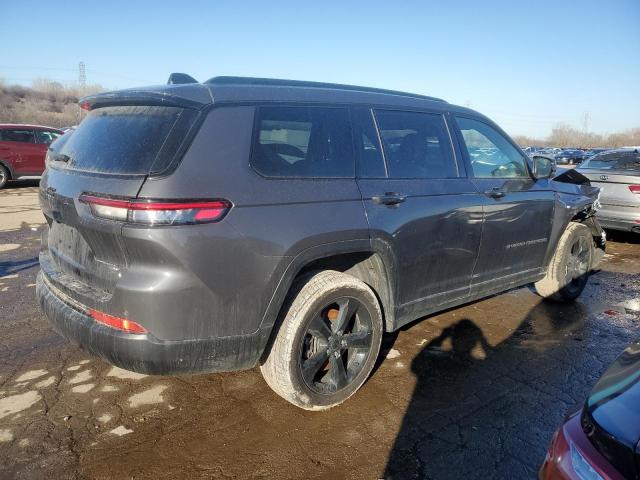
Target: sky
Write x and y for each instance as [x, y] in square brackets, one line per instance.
[528, 65]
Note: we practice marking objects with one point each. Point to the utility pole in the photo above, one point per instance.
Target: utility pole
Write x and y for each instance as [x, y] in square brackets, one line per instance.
[585, 129]
[82, 75]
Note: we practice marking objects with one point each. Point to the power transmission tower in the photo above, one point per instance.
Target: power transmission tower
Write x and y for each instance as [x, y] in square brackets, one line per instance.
[82, 75]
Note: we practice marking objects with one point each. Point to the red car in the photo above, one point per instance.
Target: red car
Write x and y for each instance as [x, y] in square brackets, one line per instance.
[23, 149]
[602, 441]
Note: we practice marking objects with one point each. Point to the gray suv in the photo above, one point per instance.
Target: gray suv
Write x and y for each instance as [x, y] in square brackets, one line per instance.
[216, 226]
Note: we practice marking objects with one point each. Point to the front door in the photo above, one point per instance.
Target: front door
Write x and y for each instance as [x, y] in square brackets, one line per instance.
[518, 210]
[424, 214]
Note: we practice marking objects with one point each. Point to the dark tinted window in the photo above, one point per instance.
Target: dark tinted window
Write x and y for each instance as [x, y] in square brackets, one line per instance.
[46, 136]
[17, 135]
[490, 153]
[370, 160]
[626, 160]
[417, 145]
[303, 142]
[126, 139]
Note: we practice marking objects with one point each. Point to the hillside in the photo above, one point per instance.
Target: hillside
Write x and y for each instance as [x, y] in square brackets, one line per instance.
[45, 103]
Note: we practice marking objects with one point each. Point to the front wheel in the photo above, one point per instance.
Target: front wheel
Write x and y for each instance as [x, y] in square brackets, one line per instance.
[4, 176]
[569, 268]
[328, 342]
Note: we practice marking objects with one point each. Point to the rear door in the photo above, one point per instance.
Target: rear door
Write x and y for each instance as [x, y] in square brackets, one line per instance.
[43, 139]
[19, 148]
[518, 210]
[110, 154]
[424, 214]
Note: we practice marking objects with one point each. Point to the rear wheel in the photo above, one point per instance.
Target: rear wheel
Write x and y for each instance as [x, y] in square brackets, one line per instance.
[328, 342]
[4, 176]
[569, 268]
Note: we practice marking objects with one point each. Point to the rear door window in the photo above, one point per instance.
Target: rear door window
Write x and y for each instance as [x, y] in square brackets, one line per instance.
[129, 140]
[22, 135]
[305, 142]
[416, 145]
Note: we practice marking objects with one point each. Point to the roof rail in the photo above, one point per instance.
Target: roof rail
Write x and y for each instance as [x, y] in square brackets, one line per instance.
[180, 78]
[276, 82]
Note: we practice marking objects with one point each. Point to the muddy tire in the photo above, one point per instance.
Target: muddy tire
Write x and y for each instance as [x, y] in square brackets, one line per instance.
[569, 268]
[4, 176]
[328, 341]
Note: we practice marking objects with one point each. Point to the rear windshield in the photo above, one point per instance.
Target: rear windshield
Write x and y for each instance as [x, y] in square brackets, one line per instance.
[125, 140]
[614, 161]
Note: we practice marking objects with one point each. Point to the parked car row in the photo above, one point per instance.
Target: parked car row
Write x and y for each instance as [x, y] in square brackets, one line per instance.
[564, 156]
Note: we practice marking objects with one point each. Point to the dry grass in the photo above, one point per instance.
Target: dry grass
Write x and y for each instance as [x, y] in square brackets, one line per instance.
[45, 103]
[565, 136]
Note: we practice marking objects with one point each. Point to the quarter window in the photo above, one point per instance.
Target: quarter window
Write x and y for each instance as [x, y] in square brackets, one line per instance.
[303, 142]
[416, 145]
[46, 136]
[490, 153]
[22, 135]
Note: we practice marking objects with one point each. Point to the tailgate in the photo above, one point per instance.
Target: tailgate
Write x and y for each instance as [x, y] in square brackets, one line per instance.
[110, 154]
[615, 187]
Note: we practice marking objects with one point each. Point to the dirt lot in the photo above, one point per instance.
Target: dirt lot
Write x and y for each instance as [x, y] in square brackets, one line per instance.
[475, 392]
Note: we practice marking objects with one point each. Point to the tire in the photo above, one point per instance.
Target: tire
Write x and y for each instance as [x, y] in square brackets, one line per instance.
[4, 176]
[570, 266]
[330, 320]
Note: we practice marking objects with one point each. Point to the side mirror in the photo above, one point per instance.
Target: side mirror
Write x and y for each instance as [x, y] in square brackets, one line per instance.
[543, 167]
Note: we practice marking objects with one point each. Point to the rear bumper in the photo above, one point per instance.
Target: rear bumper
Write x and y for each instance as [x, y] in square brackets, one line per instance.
[618, 224]
[619, 218]
[144, 353]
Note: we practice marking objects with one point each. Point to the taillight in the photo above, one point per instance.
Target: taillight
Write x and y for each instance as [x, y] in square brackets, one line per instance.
[128, 326]
[151, 212]
[635, 189]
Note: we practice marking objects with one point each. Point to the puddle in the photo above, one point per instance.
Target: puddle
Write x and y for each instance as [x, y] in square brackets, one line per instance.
[31, 375]
[121, 430]
[18, 403]
[81, 377]
[82, 388]
[46, 382]
[5, 435]
[393, 353]
[124, 374]
[148, 397]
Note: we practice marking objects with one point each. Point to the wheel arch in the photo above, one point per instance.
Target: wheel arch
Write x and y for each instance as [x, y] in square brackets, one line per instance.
[352, 257]
[6, 165]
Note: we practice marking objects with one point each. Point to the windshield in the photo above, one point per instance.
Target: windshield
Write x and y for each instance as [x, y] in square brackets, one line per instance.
[128, 140]
[627, 160]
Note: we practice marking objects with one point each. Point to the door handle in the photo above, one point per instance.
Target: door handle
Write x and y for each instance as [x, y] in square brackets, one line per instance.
[495, 193]
[389, 198]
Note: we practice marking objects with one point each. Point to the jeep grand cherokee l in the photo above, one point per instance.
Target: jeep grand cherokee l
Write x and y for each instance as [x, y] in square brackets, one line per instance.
[242, 222]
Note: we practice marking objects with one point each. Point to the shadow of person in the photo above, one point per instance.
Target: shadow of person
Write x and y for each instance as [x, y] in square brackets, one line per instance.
[462, 341]
[489, 395]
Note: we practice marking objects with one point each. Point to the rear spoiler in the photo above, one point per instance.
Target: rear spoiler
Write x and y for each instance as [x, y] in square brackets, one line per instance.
[194, 96]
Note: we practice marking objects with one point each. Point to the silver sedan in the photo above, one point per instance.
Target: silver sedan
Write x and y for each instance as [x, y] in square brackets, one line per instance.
[617, 173]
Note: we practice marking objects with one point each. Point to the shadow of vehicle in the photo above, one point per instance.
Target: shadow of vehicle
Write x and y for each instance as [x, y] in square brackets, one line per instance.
[12, 267]
[486, 403]
[23, 183]
[623, 237]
